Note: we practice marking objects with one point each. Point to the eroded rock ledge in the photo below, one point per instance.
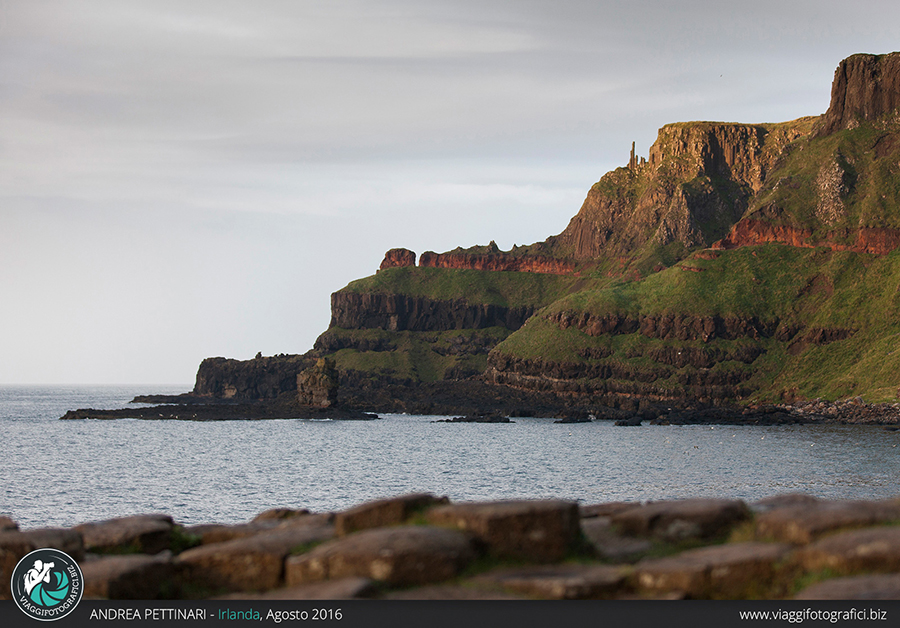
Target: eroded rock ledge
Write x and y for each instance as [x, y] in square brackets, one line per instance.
[422, 546]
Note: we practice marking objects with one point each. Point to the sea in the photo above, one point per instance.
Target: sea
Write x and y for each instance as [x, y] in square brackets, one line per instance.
[61, 473]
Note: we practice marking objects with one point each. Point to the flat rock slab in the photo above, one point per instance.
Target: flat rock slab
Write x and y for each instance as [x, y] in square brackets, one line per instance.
[605, 510]
[383, 512]
[134, 577]
[870, 549]
[803, 523]
[729, 571]
[398, 556]
[560, 582]
[787, 500]
[146, 534]
[609, 544]
[220, 533]
[537, 531]
[341, 589]
[879, 587]
[683, 519]
[15, 544]
[279, 514]
[255, 563]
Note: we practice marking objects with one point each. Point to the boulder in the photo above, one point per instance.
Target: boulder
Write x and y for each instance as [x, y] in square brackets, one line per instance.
[131, 577]
[219, 533]
[678, 520]
[279, 514]
[146, 534]
[877, 587]
[538, 531]
[560, 582]
[15, 545]
[802, 523]
[383, 512]
[254, 563]
[733, 570]
[870, 549]
[609, 544]
[398, 556]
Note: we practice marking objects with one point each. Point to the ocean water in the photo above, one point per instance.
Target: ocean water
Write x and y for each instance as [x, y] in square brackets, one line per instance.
[59, 473]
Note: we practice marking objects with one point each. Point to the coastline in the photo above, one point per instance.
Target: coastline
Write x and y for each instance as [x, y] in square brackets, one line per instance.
[189, 407]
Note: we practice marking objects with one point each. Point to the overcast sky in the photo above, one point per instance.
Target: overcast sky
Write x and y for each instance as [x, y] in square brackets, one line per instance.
[189, 179]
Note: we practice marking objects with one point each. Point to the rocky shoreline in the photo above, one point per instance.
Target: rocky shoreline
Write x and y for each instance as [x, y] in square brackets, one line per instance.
[423, 547]
[197, 408]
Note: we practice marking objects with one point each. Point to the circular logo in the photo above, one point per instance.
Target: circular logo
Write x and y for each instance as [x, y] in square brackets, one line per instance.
[47, 584]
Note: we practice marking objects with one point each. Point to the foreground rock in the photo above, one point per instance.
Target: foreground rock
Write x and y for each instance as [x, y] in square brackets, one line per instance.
[146, 534]
[383, 512]
[133, 577]
[727, 571]
[420, 546]
[682, 519]
[542, 531]
[398, 556]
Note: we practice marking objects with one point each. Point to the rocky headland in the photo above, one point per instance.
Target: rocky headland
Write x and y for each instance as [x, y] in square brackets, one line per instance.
[424, 547]
[738, 266]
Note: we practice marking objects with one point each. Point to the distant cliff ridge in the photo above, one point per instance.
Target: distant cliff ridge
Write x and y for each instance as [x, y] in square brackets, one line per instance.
[737, 263]
[400, 312]
[493, 259]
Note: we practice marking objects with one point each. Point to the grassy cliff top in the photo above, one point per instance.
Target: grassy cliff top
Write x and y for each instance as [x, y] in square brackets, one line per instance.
[509, 289]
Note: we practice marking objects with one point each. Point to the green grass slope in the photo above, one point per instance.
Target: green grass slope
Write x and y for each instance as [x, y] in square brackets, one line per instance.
[803, 294]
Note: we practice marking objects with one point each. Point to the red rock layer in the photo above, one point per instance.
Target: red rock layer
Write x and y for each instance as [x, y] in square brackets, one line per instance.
[396, 258]
[749, 232]
[493, 261]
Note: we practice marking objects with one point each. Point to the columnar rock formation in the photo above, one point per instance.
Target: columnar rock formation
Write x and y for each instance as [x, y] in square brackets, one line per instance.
[423, 547]
[865, 87]
[317, 386]
[497, 262]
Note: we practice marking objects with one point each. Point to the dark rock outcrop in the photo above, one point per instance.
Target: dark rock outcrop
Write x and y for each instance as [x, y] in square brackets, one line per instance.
[696, 184]
[400, 312]
[398, 258]
[259, 378]
[865, 87]
[498, 261]
[317, 386]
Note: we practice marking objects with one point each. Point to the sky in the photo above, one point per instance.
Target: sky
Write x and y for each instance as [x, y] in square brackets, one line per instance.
[180, 180]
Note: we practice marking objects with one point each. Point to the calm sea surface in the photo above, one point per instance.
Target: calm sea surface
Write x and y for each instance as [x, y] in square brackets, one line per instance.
[66, 472]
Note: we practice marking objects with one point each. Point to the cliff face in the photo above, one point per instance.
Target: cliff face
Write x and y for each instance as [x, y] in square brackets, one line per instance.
[497, 262]
[259, 378]
[400, 312]
[603, 311]
[865, 87]
[696, 184]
